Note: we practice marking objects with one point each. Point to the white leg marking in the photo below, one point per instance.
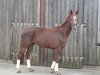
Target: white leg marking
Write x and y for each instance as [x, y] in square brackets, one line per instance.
[18, 64]
[28, 64]
[56, 67]
[53, 64]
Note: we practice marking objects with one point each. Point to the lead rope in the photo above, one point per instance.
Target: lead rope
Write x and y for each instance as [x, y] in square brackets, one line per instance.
[77, 41]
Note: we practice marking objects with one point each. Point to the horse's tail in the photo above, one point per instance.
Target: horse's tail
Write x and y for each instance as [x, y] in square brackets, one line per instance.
[26, 37]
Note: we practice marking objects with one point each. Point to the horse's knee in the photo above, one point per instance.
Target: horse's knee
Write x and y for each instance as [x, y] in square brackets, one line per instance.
[58, 59]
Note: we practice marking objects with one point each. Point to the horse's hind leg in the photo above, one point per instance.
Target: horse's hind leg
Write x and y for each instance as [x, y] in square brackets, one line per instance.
[28, 53]
[20, 59]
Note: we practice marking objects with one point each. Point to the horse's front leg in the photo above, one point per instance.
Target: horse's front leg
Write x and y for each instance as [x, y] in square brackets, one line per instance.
[56, 60]
[28, 53]
[53, 66]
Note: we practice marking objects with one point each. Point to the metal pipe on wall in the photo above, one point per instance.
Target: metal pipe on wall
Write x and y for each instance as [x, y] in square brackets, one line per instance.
[42, 25]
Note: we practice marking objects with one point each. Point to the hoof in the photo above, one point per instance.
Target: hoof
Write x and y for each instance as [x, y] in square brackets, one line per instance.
[18, 71]
[57, 73]
[52, 72]
[31, 70]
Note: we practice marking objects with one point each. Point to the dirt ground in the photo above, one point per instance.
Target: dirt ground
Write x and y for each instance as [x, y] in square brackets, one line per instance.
[7, 68]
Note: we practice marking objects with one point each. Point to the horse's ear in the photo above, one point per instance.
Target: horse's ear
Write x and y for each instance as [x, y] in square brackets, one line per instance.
[76, 12]
[71, 12]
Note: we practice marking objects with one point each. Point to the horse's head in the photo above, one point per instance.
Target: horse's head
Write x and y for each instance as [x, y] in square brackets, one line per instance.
[73, 16]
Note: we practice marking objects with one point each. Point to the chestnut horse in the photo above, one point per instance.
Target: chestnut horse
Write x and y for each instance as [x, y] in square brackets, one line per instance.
[54, 38]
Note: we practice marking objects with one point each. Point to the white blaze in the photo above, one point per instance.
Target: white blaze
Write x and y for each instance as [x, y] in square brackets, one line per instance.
[28, 63]
[75, 19]
[18, 64]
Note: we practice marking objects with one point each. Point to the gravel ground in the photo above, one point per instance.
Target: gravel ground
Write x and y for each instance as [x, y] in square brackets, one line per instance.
[7, 68]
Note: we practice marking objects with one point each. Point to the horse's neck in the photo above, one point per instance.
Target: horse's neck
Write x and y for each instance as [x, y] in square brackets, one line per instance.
[66, 28]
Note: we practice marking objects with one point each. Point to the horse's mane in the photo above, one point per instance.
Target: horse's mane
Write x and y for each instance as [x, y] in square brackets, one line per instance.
[58, 26]
[61, 25]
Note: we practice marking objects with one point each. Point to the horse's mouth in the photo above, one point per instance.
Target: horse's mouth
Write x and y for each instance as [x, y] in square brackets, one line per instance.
[74, 28]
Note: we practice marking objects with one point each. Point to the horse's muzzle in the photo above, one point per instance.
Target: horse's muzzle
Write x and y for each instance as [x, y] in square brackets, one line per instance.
[74, 27]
